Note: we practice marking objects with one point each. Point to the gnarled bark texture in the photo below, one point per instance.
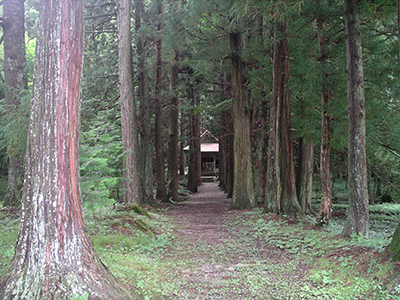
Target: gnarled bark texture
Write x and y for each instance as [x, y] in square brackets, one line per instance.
[15, 78]
[280, 196]
[54, 258]
[128, 113]
[243, 190]
[358, 214]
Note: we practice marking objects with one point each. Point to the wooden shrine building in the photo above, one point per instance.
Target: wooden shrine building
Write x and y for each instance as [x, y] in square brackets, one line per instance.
[209, 148]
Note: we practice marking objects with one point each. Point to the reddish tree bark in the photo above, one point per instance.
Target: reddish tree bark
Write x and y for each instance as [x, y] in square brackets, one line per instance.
[358, 214]
[54, 258]
[15, 78]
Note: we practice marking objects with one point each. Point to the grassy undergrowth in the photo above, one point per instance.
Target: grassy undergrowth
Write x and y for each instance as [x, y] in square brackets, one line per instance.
[264, 256]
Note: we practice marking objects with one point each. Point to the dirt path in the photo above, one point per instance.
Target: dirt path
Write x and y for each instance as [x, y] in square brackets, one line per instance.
[202, 216]
[221, 256]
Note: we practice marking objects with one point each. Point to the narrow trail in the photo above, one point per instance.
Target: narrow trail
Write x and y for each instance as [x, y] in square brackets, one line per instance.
[220, 256]
[202, 216]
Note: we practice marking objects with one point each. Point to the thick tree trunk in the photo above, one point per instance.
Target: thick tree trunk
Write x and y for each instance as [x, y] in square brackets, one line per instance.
[305, 173]
[128, 113]
[161, 193]
[54, 258]
[146, 140]
[358, 214]
[325, 212]
[243, 190]
[281, 194]
[173, 131]
[15, 78]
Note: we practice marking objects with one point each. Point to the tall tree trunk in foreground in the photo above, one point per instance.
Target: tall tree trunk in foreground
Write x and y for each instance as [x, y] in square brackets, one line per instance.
[146, 140]
[358, 214]
[15, 78]
[128, 113]
[161, 193]
[324, 215]
[243, 190]
[173, 131]
[54, 258]
[281, 194]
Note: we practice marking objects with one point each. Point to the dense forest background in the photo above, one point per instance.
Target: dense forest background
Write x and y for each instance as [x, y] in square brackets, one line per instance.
[183, 50]
[196, 37]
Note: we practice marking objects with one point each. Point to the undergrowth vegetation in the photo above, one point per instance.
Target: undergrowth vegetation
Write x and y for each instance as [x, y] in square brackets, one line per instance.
[261, 257]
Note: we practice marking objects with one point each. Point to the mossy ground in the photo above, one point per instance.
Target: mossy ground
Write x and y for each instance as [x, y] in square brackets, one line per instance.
[199, 249]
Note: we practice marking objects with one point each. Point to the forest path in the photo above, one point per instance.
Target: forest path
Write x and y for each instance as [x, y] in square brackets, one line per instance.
[221, 257]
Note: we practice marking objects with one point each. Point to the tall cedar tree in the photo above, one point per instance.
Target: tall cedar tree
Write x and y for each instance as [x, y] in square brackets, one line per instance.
[280, 193]
[128, 113]
[15, 78]
[358, 215]
[181, 156]
[194, 144]
[54, 258]
[243, 190]
[161, 193]
[173, 130]
[146, 140]
[325, 212]
[173, 122]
